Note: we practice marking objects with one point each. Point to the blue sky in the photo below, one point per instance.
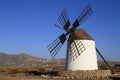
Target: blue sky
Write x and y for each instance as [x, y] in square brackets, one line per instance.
[27, 26]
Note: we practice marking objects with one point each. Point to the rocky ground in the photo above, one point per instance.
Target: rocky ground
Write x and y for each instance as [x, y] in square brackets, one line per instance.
[6, 75]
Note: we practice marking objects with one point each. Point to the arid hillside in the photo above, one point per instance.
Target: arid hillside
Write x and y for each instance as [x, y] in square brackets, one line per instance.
[25, 60]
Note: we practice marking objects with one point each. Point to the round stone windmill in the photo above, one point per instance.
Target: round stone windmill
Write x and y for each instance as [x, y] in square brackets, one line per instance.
[81, 50]
[81, 53]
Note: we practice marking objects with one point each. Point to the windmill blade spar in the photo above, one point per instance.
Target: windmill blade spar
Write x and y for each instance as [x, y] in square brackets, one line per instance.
[58, 26]
[56, 45]
[87, 11]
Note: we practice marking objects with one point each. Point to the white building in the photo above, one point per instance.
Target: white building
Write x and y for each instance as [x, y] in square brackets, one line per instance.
[84, 56]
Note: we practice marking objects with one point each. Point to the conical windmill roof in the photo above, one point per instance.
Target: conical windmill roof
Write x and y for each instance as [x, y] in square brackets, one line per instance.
[80, 34]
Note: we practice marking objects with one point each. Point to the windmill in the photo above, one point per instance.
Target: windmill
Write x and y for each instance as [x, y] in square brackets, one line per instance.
[81, 50]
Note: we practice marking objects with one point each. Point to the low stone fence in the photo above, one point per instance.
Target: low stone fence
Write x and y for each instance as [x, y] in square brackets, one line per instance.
[93, 73]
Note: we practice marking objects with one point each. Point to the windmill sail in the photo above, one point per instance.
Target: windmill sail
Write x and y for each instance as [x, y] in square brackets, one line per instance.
[64, 20]
[87, 11]
[56, 45]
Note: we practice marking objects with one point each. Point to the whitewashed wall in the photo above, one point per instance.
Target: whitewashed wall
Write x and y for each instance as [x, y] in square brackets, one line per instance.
[87, 60]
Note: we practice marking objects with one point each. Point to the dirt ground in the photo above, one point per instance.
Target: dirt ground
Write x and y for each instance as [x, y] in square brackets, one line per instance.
[23, 78]
[19, 74]
[14, 77]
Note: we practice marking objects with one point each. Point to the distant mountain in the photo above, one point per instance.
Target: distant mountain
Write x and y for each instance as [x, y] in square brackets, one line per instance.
[20, 60]
[24, 59]
[27, 60]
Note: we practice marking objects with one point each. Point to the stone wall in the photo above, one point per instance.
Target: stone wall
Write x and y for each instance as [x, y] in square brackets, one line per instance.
[93, 73]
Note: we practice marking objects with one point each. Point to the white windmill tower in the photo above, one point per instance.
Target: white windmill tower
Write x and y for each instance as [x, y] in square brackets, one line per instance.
[81, 50]
[81, 53]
